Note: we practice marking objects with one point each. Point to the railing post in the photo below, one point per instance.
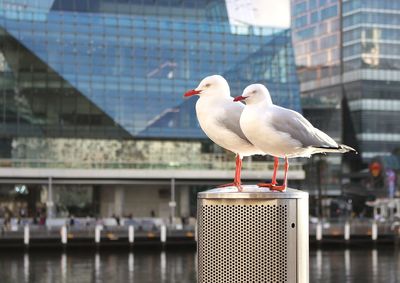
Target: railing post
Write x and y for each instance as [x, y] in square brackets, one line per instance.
[131, 234]
[319, 230]
[172, 203]
[64, 235]
[374, 231]
[163, 234]
[347, 231]
[26, 235]
[50, 201]
[97, 234]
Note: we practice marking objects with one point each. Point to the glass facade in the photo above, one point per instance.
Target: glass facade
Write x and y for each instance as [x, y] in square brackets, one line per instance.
[119, 68]
[347, 56]
[316, 34]
[370, 32]
[371, 52]
[100, 84]
[316, 39]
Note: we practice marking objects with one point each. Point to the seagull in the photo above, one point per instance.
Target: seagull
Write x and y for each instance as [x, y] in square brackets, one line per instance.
[219, 117]
[281, 132]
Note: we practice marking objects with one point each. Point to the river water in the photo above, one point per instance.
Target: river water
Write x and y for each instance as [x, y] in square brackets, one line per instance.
[328, 266]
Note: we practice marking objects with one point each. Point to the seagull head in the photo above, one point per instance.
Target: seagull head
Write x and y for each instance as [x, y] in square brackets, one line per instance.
[214, 85]
[254, 93]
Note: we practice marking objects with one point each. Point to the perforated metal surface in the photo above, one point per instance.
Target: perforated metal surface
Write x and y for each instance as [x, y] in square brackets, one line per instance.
[246, 240]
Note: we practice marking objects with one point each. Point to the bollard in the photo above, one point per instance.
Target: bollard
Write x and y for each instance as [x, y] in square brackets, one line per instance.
[319, 231]
[163, 234]
[64, 235]
[26, 235]
[97, 234]
[347, 231]
[374, 232]
[131, 234]
[252, 236]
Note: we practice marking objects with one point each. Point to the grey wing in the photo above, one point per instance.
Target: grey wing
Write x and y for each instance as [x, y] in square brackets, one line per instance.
[230, 119]
[299, 128]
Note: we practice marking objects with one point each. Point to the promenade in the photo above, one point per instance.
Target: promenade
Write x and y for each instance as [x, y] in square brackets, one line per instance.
[156, 232]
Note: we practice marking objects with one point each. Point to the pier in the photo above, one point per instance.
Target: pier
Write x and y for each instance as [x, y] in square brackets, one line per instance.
[156, 233]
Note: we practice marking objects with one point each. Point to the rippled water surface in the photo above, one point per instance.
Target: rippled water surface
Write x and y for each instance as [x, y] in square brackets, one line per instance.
[360, 265]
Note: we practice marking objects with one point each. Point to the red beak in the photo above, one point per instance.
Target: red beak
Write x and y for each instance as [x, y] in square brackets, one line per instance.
[191, 92]
[239, 98]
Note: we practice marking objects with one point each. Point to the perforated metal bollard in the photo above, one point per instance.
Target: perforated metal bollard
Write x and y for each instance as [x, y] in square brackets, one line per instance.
[252, 236]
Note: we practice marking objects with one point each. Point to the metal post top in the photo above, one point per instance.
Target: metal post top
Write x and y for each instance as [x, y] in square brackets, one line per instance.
[251, 192]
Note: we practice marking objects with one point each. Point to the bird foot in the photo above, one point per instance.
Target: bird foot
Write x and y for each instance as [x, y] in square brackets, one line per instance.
[237, 185]
[266, 185]
[278, 188]
[272, 187]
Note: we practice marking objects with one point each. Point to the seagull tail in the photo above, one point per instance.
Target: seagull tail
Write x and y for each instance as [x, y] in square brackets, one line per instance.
[346, 148]
[342, 148]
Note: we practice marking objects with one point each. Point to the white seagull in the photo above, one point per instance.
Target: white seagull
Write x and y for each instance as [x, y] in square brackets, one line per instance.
[219, 117]
[281, 132]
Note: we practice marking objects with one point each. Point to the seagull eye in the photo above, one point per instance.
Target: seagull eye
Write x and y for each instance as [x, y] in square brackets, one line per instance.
[208, 85]
[254, 91]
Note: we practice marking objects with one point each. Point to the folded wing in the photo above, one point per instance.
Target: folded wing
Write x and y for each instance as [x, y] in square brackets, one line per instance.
[293, 124]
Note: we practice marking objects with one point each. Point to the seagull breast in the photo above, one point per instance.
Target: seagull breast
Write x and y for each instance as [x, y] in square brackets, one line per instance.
[220, 120]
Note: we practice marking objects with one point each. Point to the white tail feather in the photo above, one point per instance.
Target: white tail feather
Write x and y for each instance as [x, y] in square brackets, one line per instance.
[342, 148]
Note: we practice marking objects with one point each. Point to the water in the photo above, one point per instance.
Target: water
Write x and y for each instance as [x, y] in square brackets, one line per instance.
[328, 266]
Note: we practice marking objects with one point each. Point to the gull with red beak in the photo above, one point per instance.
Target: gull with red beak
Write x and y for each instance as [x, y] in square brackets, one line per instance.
[219, 118]
[281, 132]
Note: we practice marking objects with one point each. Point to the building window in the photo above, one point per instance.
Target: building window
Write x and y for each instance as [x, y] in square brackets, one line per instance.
[329, 12]
[299, 8]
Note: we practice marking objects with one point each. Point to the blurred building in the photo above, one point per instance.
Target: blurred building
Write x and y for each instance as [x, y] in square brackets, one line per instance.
[379, 180]
[347, 56]
[91, 97]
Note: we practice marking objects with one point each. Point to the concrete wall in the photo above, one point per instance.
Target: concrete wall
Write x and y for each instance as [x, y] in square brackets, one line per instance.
[183, 203]
[106, 201]
[141, 200]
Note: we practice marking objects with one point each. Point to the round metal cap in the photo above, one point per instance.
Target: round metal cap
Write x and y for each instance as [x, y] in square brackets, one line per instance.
[251, 192]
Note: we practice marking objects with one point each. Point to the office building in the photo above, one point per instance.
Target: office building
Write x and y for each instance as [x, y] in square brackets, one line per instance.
[347, 60]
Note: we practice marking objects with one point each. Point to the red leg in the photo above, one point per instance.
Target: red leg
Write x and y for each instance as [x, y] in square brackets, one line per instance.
[284, 186]
[236, 180]
[238, 170]
[273, 182]
[276, 164]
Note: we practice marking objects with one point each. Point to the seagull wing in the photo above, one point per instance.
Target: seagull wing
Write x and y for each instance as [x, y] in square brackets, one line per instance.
[293, 124]
[230, 118]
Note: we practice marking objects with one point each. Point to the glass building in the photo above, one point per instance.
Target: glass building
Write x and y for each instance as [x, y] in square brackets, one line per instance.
[347, 59]
[371, 73]
[316, 39]
[99, 84]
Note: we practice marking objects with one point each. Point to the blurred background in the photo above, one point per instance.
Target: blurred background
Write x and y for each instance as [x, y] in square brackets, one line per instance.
[94, 130]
